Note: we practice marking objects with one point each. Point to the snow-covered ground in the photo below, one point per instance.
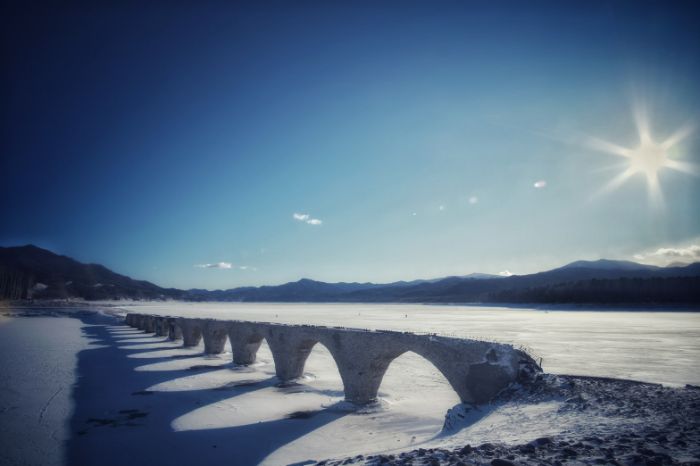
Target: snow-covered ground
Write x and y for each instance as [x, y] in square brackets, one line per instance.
[141, 399]
[37, 371]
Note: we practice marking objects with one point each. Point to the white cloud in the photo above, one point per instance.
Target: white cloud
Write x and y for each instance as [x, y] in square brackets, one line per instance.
[540, 184]
[218, 265]
[505, 273]
[413, 214]
[665, 256]
[473, 200]
[306, 218]
[441, 208]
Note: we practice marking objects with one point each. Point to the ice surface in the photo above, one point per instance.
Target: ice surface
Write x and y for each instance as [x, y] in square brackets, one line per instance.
[662, 347]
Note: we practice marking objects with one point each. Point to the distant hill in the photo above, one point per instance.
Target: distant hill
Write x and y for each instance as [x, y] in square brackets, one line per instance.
[30, 272]
[606, 264]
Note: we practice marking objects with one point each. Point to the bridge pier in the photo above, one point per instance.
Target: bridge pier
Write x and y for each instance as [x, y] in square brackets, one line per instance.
[138, 321]
[215, 334]
[174, 330]
[191, 331]
[149, 325]
[245, 342]
[289, 353]
[362, 360]
[135, 321]
[162, 326]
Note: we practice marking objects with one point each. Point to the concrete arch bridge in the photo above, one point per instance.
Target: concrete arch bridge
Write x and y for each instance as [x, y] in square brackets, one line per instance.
[476, 370]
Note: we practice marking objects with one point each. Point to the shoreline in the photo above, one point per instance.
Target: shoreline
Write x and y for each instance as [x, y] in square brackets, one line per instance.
[574, 307]
[657, 426]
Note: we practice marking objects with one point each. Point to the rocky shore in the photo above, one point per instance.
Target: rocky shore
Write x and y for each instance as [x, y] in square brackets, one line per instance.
[603, 421]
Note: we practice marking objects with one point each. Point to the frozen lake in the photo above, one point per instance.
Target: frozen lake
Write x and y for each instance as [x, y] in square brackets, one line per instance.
[662, 347]
[201, 402]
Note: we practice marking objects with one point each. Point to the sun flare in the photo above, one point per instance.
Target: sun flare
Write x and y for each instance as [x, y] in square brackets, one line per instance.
[649, 157]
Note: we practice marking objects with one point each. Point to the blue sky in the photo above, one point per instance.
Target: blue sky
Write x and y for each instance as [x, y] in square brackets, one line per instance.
[157, 139]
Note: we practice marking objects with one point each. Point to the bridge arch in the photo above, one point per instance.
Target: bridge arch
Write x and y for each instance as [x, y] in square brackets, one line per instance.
[292, 359]
[320, 349]
[420, 373]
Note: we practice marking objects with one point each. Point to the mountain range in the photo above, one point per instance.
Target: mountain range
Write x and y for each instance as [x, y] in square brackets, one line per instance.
[30, 272]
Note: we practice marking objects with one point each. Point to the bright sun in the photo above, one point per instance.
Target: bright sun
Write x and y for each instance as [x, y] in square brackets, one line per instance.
[649, 158]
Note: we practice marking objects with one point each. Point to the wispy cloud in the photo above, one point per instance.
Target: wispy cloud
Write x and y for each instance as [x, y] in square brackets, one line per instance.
[540, 184]
[505, 273]
[306, 218]
[218, 265]
[224, 266]
[669, 255]
[473, 200]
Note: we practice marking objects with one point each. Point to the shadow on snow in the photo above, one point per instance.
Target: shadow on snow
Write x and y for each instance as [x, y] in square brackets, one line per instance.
[109, 394]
